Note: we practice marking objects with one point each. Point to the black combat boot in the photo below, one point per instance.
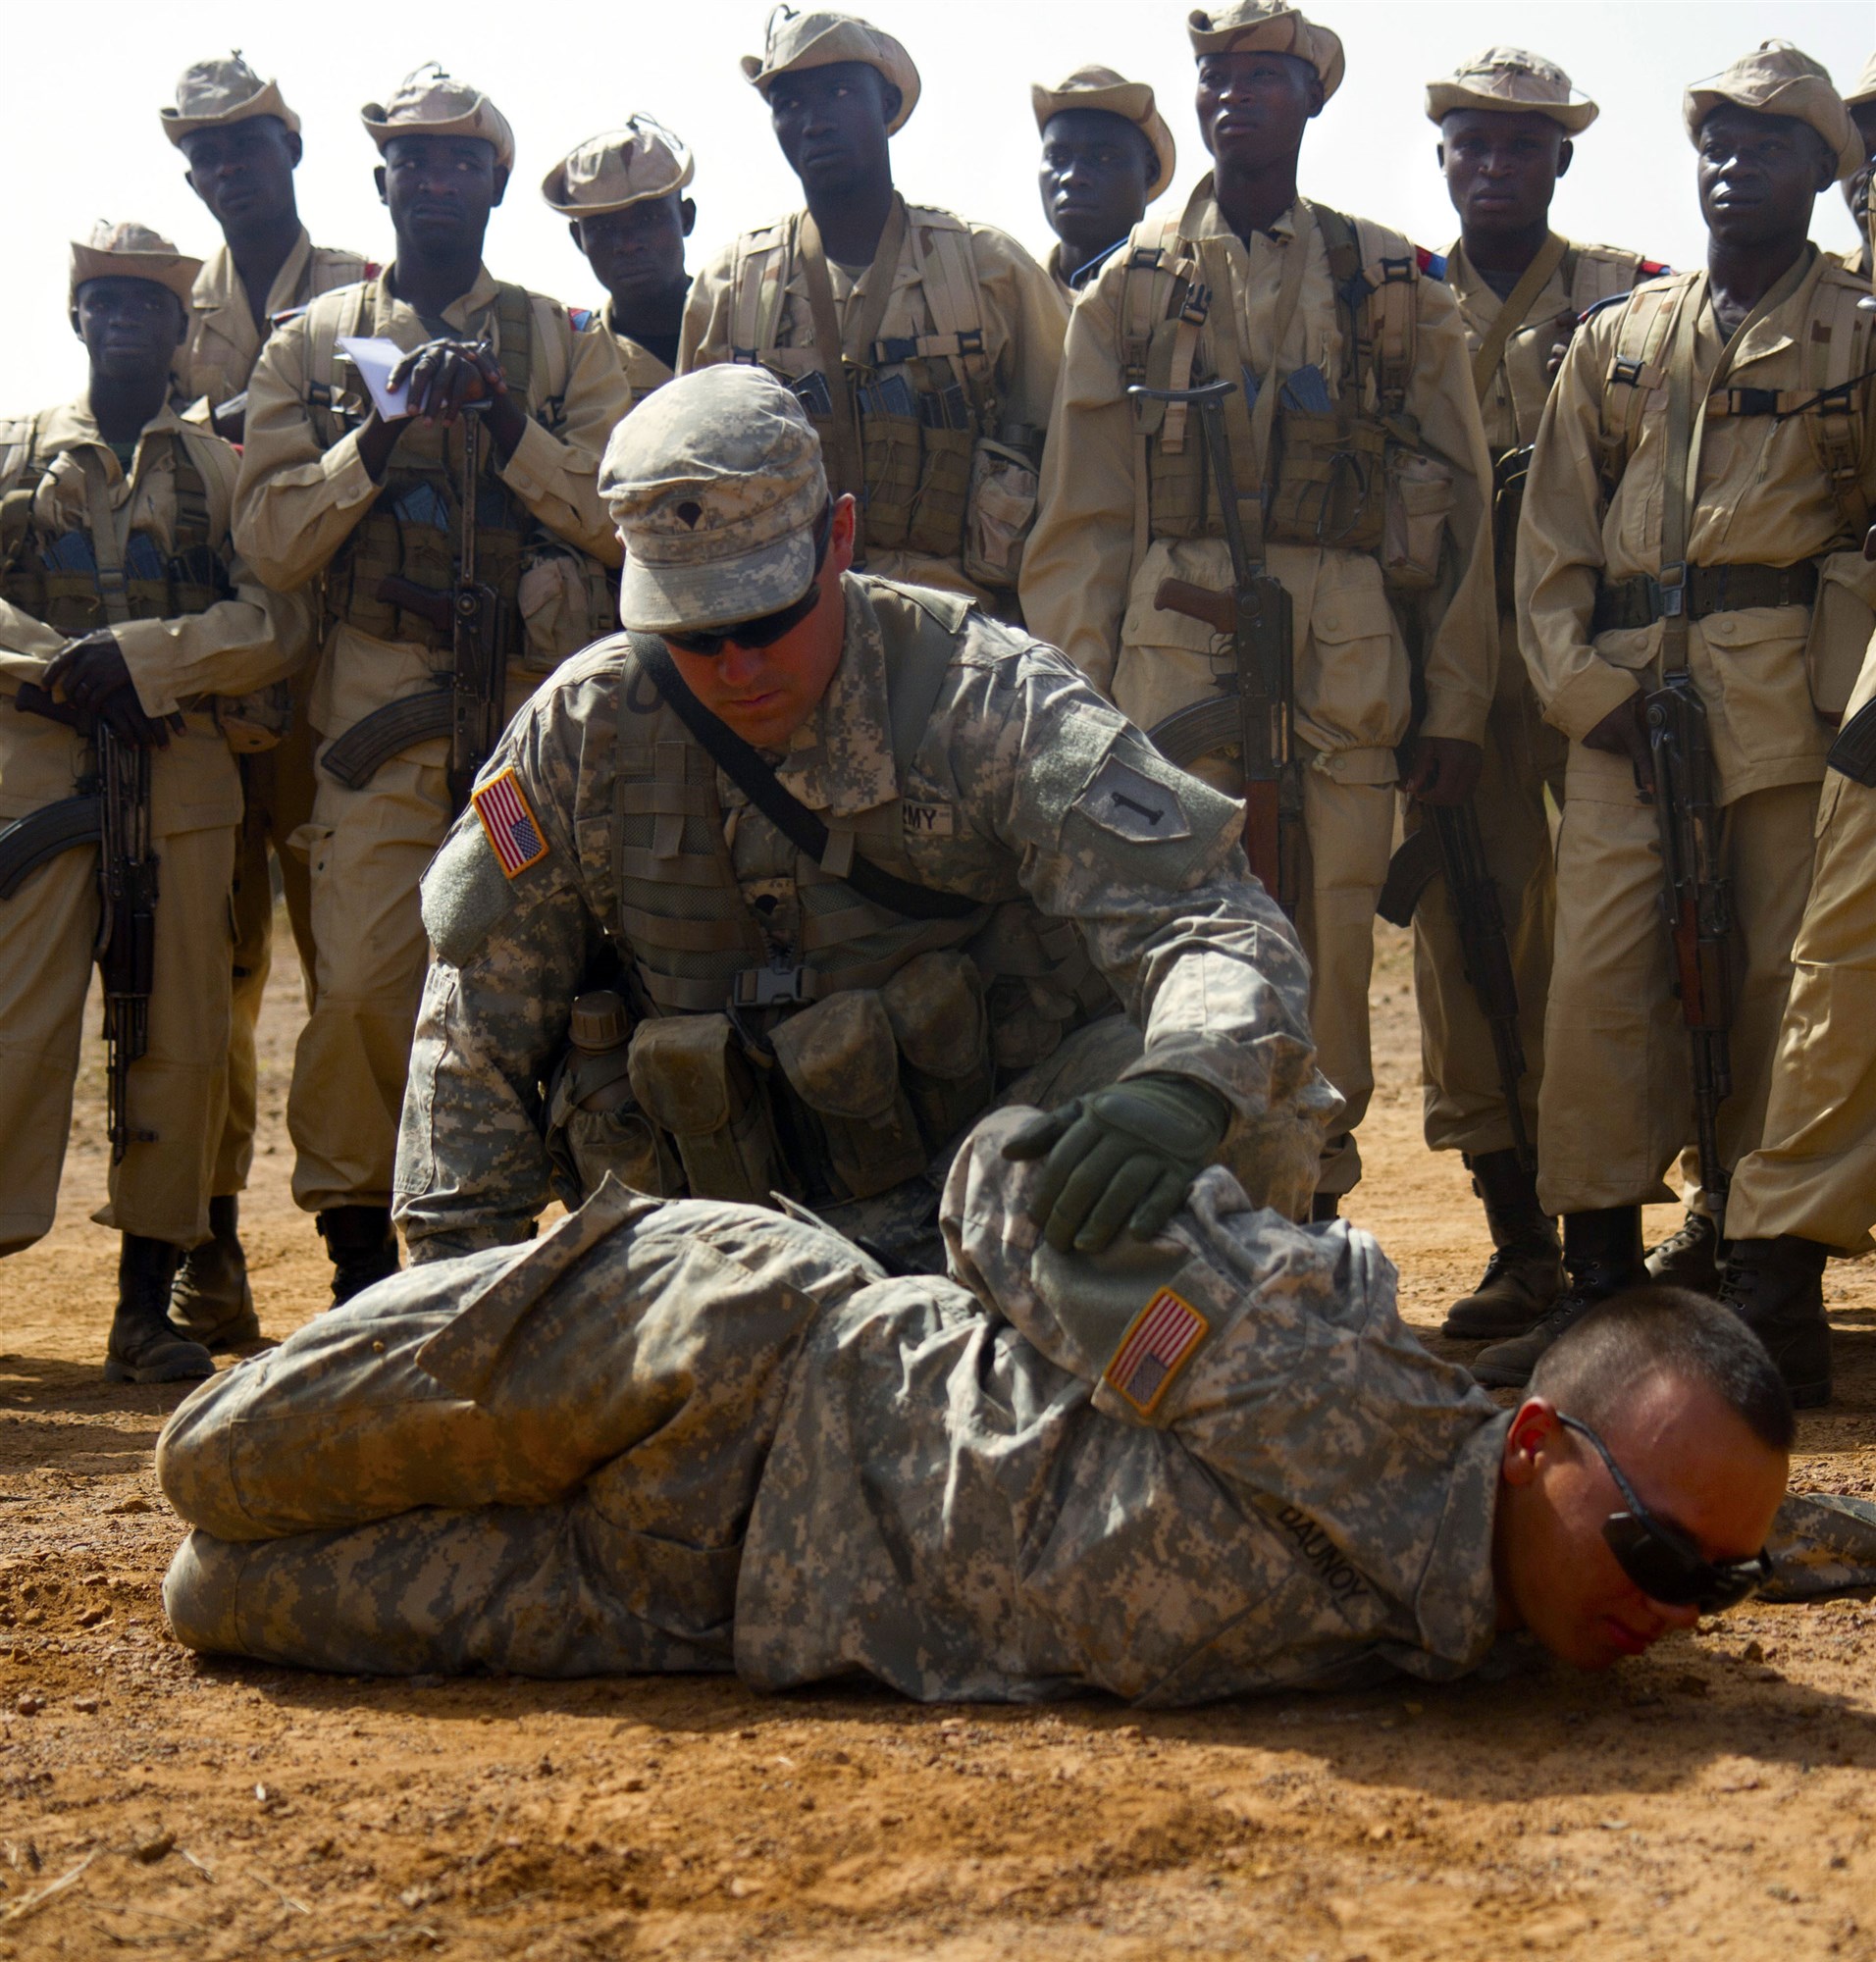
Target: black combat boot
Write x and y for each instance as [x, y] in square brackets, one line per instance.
[1689, 1256]
[1777, 1289]
[211, 1299]
[361, 1245]
[146, 1345]
[1525, 1273]
[1601, 1257]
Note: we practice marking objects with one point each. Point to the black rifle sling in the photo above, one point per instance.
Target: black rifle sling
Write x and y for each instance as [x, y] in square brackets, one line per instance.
[792, 818]
[1854, 753]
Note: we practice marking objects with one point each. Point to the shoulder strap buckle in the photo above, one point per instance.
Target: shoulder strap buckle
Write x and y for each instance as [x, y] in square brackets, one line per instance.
[1667, 593]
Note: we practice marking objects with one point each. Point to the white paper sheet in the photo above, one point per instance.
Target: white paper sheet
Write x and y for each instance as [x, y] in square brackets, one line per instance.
[374, 357]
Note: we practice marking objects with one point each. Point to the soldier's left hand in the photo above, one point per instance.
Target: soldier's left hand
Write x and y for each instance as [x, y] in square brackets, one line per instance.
[1445, 770]
[1123, 1156]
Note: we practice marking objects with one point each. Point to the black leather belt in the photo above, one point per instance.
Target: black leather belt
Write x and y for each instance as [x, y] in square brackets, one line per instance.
[1708, 589]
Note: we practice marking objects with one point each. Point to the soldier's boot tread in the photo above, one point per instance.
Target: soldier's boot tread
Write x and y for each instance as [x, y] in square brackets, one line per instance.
[1601, 1257]
[1525, 1274]
[1776, 1287]
[362, 1245]
[146, 1346]
[212, 1301]
[1688, 1257]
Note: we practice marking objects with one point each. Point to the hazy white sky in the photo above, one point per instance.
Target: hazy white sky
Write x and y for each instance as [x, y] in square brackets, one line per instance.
[972, 145]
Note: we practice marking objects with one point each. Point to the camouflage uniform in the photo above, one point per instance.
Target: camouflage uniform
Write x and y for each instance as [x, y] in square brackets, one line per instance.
[698, 1436]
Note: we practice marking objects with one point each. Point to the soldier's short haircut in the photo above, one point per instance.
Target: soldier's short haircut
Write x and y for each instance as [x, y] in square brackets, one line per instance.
[1594, 1369]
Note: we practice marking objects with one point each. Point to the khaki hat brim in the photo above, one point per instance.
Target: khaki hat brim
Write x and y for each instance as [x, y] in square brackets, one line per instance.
[1320, 46]
[1443, 98]
[694, 597]
[162, 269]
[268, 102]
[553, 190]
[499, 138]
[889, 60]
[1121, 100]
[1699, 103]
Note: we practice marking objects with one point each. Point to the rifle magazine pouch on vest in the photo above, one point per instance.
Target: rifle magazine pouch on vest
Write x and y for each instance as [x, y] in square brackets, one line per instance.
[1420, 500]
[1001, 511]
[842, 1063]
[935, 1005]
[890, 450]
[591, 1130]
[251, 723]
[944, 491]
[1843, 619]
[689, 1077]
[1329, 487]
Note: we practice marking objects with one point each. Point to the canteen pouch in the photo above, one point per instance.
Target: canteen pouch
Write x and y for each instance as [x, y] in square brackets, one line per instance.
[841, 1064]
[1843, 619]
[585, 1141]
[890, 456]
[1417, 503]
[935, 1005]
[253, 723]
[564, 605]
[1000, 513]
[691, 1079]
[937, 526]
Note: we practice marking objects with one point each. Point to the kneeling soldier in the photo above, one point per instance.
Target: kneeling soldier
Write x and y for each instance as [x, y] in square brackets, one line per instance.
[128, 625]
[847, 859]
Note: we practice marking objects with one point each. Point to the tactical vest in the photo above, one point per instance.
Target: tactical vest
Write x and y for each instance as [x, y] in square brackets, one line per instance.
[57, 579]
[925, 401]
[1838, 357]
[1324, 478]
[413, 528]
[844, 1073]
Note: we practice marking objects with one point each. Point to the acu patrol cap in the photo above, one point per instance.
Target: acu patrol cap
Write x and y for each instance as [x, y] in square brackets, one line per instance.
[1096, 88]
[131, 251]
[1779, 80]
[431, 102]
[797, 41]
[715, 483]
[618, 169]
[1247, 26]
[212, 94]
[1511, 79]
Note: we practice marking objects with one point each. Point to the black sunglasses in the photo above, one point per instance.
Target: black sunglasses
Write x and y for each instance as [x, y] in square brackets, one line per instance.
[1662, 1559]
[766, 628]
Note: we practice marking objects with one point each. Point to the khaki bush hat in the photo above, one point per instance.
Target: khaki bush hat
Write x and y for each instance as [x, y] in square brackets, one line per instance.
[618, 169]
[797, 41]
[1095, 87]
[1864, 89]
[1779, 80]
[212, 94]
[1511, 78]
[131, 252]
[714, 481]
[1246, 25]
[431, 102]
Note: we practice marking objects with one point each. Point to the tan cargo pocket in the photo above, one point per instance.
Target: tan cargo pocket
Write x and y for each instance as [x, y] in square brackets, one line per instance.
[944, 488]
[1003, 508]
[890, 450]
[1420, 496]
[689, 1077]
[841, 1060]
[935, 1005]
[1842, 621]
[557, 610]
[1328, 489]
[251, 723]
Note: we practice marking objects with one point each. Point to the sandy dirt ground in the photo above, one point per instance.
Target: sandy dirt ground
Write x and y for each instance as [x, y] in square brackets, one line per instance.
[1713, 1798]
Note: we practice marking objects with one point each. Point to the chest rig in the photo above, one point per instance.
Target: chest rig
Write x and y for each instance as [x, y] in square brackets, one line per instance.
[836, 1068]
[1323, 480]
[900, 415]
[64, 581]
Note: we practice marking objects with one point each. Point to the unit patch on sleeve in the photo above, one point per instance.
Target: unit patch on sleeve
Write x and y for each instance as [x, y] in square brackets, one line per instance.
[508, 819]
[1159, 1342]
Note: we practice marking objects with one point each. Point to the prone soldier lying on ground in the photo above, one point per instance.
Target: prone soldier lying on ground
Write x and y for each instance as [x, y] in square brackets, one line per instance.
[688, 1435]
[858, 860]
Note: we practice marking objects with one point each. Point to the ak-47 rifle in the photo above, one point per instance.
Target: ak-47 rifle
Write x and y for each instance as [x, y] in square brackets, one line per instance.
[1698, 908]
[1255, 708]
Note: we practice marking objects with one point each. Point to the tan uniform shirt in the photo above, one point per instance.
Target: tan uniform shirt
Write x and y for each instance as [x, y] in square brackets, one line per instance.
[644, 371]
[1760, 499]
[1023, 312]
[238, 644]
[297, 503]
[1085, 590]
[224, 343]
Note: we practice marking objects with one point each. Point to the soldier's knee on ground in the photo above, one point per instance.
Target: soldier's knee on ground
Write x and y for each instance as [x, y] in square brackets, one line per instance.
[193, 1461]
[200, 1593]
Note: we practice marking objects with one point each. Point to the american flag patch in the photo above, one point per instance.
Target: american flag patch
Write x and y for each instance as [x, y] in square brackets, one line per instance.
[1155, 1346]
[509, 822]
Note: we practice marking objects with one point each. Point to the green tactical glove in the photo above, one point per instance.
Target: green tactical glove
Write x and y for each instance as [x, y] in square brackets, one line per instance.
[1123, 1156]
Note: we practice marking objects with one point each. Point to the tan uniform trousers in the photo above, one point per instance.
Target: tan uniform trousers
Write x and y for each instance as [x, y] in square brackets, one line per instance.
[178, 1091]
[366, 852]
[1814, 1172]
[1617, 1104]
[1463, 1101]
[277, 788]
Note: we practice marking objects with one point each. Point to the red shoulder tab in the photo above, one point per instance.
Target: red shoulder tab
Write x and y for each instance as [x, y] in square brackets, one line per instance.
[581, 319]
[1433, 265]
[279, 319]
[1653, 268]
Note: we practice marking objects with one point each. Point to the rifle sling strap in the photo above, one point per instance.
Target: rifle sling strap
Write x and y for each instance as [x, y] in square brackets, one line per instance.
[1515, 311]
[1853, 754]
[746, 770]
